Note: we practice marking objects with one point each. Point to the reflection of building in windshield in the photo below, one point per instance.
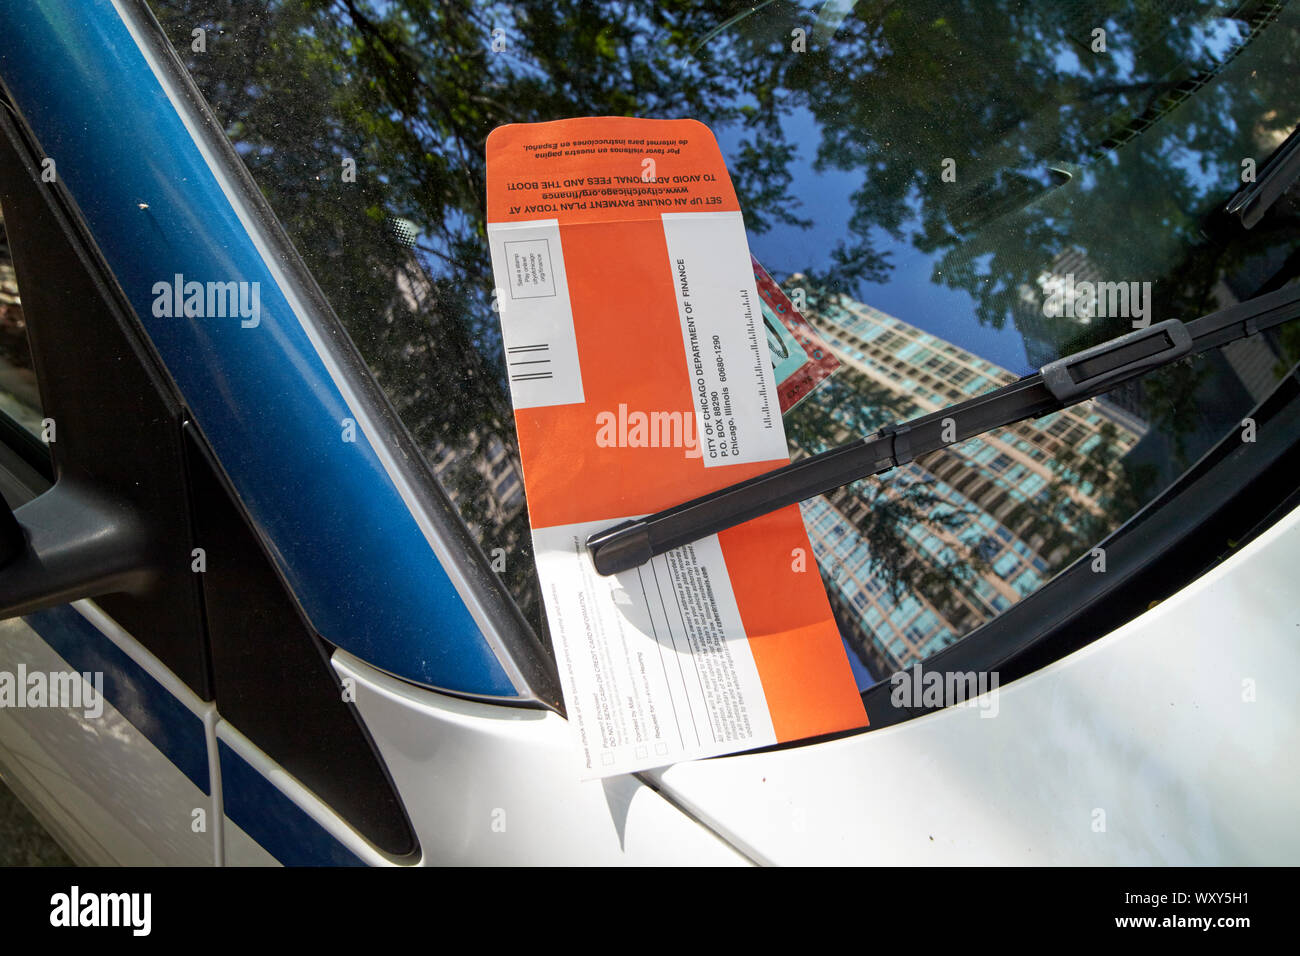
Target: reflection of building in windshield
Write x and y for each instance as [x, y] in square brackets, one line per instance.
[479, 473]
[1003, 493]
[1252, 362]
[493, 465]
[19, 397]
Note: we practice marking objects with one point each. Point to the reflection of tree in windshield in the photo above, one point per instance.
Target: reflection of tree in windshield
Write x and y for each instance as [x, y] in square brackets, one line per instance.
[1052, 146]
[410, 91]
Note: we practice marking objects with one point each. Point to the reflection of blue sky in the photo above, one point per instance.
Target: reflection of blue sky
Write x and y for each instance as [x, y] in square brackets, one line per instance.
[1067, 61]
[1219, 36]
[1204, 177]
[1120, 49]
[863, 676]
[909, 293]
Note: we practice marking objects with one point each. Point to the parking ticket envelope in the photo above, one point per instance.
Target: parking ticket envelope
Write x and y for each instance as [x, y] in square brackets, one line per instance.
[641, 377]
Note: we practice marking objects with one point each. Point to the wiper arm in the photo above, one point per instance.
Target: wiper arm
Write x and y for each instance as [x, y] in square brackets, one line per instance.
[1060, 384]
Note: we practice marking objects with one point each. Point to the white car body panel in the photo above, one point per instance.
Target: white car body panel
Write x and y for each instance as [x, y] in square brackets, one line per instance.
[486, 784]
[101, 785]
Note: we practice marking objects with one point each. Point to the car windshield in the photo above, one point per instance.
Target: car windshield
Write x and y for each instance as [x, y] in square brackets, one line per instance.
[954, 193]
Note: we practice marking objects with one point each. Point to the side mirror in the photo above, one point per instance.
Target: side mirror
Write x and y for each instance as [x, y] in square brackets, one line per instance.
[67, 545]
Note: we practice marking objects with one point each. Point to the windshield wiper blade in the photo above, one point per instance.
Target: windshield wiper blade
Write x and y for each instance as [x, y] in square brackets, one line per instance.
[1060, 384]
[1279, 172]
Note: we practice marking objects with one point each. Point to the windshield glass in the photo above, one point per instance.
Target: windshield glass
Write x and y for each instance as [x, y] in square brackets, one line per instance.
[954, 193]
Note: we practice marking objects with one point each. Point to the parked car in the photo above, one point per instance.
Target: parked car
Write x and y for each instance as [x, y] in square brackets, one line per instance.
[265, 492]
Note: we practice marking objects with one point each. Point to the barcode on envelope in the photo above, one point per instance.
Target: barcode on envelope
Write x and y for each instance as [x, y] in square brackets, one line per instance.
[532, 295]
[529, 363]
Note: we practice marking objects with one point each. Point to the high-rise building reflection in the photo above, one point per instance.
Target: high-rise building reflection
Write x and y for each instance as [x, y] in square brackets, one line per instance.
[992, 492]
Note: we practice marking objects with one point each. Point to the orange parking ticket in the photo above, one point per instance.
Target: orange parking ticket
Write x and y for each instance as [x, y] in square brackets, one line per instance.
[641, 377]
